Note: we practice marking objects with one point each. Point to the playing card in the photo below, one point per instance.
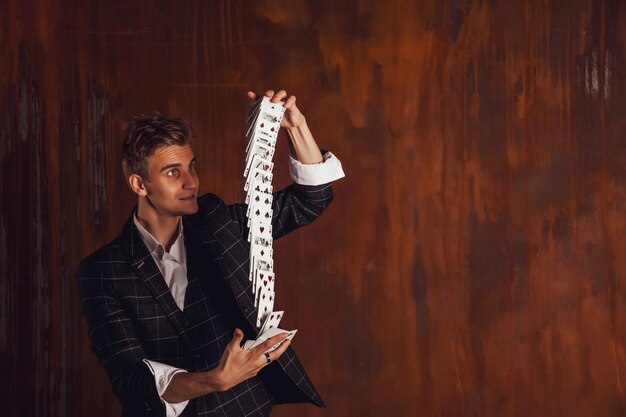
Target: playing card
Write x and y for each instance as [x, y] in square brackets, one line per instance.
[263, 188]
[260, 216]
[265, 133]
[260, 211]
[275, 110]
[258, 199]
[265, 130]
[258, 176]
[258, 161]
[272, 321]
[268, 335]
[265, 303]
[253, 115]
[261, 258]
[264, 282]
[270, 112]
[260, 227]
[290, 336]
[261, 252]
[267, 142]
[264, 150]
[264, 104]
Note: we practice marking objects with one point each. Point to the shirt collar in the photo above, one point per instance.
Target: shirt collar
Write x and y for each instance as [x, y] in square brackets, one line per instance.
[155, 248]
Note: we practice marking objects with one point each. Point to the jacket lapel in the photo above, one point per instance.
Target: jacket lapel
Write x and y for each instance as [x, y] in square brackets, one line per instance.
[221, 239]
[143, 265]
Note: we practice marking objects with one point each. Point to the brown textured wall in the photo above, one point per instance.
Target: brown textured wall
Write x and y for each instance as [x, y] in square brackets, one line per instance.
[472, 263]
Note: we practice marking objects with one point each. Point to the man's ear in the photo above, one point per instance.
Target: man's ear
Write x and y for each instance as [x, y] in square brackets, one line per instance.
[137, 184]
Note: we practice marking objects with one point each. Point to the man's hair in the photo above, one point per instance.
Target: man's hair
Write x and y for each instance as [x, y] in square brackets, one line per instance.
[146, 133]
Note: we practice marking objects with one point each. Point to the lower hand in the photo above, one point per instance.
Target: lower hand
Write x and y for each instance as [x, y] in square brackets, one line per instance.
[238, 364]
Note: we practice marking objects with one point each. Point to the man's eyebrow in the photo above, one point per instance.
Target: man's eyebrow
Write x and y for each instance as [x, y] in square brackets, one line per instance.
[168, 166]
[176, 165]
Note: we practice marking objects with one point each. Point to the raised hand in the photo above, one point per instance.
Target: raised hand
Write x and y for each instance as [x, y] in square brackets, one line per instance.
[293, 117]
[302, 146]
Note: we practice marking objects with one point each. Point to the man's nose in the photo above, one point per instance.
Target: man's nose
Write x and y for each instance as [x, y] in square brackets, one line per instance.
[190, 181]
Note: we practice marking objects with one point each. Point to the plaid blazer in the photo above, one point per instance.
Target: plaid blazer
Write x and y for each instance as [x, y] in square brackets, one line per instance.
[132, 316]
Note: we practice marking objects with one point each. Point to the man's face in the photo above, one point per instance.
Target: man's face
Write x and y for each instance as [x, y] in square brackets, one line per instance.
[173, 185]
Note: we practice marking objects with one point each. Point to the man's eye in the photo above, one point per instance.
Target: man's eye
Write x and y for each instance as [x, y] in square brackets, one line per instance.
[172, 173]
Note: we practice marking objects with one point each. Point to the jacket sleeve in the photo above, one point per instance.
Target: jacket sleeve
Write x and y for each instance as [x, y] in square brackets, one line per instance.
[115, 343]
[292, 207]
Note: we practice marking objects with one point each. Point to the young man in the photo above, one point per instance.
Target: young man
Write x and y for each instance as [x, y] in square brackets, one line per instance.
[168, 302]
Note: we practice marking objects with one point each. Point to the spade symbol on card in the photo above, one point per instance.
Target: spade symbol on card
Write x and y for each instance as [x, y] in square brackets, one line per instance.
[257, 212]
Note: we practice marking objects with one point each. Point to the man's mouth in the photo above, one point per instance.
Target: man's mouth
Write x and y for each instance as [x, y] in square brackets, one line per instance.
[189, 197]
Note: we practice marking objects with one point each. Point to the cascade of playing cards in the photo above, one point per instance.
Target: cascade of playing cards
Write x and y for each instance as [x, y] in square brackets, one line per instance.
[263, 125]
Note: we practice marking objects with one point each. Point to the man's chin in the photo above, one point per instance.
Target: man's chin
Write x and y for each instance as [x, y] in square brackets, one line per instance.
[190, 207]
[191, 210]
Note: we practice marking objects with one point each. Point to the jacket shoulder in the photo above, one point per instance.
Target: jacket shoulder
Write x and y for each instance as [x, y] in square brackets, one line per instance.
[208, 202]
[102, 257]
[208, 206]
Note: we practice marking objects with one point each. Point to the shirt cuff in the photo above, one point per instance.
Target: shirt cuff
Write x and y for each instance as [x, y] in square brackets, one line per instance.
[163, 375]
[316, 174]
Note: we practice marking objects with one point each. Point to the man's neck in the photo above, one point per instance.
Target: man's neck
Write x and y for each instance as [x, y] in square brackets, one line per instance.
[164, 228]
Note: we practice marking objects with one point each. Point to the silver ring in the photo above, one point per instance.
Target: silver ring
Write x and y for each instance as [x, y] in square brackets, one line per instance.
[267, 357]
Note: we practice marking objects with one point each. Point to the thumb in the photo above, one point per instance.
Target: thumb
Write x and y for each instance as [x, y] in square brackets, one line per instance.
[237, 336]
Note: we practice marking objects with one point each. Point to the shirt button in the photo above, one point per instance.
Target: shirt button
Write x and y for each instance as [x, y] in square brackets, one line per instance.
[196, 356]
[245, 309]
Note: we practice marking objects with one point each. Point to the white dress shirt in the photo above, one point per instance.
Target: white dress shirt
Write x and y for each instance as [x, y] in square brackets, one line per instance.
[173, 264]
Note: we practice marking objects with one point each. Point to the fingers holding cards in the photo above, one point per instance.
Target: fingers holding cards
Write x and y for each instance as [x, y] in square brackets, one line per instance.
[279, 96]
[252, 96]
[271, 340]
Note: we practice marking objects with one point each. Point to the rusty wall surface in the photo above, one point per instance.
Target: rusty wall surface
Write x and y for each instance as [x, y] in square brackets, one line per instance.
[472, 263]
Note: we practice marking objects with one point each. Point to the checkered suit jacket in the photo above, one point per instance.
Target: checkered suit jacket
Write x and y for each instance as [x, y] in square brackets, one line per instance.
[132, 315]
